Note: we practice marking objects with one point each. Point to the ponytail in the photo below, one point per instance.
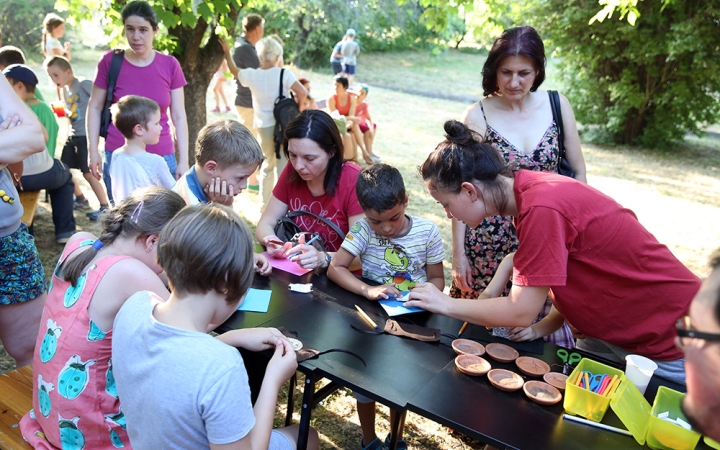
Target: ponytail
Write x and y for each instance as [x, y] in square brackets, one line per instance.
[144, 213]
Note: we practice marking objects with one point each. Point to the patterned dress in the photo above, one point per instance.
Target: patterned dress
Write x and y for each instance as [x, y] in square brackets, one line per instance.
[75, 401]
[495, 237]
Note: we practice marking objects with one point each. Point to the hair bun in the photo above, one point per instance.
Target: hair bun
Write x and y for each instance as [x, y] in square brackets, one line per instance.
[458, 133]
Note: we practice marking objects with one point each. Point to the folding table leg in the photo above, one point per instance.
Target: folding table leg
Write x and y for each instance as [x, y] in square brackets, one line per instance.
[395, 427]
[307, 404]
[291, 400]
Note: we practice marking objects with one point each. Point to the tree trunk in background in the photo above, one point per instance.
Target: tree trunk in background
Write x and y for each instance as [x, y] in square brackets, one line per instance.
[198, 65]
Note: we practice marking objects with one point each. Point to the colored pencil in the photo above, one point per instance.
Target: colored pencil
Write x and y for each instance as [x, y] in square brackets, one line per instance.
[598, 425]
[462, 329]
[367, 318]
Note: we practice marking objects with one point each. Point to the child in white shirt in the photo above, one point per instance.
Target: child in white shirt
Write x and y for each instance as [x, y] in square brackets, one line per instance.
[138, 119]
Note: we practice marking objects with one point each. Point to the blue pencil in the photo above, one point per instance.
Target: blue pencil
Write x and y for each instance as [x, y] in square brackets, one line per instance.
[307, 243]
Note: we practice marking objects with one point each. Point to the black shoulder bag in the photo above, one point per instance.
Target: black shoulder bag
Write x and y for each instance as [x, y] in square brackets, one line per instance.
[285, 110]
[113, 73]
[288, 231]
[563, 166]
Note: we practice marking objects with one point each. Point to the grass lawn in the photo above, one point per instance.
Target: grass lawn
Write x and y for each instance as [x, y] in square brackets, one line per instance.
[673, 193]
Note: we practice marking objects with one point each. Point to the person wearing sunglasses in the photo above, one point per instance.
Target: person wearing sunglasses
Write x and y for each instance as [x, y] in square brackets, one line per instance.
[698, 336]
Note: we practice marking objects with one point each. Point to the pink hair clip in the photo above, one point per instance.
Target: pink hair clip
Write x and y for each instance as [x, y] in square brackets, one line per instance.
[136, 212]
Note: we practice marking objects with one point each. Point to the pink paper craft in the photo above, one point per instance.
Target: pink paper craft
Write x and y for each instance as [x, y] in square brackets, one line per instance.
[286, 265]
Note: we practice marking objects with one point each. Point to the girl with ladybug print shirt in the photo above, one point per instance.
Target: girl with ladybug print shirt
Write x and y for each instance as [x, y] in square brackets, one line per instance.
[75, 401]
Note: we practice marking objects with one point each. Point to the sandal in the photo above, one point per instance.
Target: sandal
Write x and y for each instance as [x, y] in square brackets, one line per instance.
[401, 444]
[376, 444]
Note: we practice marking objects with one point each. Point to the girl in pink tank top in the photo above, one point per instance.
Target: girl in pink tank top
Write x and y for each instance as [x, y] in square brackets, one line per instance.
[75, 402]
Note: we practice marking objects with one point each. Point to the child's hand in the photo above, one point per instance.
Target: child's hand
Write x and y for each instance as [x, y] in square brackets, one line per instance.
[275, 247]
[219, 191]
[224, 45]
[518, 334]
[282, 365]
[262, 265]
[384, 292]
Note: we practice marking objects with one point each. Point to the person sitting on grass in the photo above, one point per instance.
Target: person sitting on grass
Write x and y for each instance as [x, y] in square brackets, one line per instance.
[367, 126]
[132, 167]
[75, 399]
[396, 250]
[182, 388]
[42, 170]
[345, 103]
[226, 154]
[76, 93]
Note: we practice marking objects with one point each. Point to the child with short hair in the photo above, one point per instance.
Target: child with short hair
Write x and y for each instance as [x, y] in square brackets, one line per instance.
[42, 170]
[367, 126]
[132, 167]
[180, 387]
[226, 155]
[396, 250]
[76, 94]
[75, 400]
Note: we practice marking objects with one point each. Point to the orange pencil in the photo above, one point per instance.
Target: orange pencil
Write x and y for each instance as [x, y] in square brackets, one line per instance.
[611, 386]
[587, 381]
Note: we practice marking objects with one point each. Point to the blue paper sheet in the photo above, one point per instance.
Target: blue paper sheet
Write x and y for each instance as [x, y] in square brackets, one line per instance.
[256, 300]
[396, 308]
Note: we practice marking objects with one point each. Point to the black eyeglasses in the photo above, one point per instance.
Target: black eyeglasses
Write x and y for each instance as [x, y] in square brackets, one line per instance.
[685, 332]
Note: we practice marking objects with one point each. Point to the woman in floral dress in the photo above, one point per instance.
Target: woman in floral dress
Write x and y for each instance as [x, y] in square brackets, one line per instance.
[517, 119]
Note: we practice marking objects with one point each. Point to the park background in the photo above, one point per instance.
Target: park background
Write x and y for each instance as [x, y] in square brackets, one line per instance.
[644, 84]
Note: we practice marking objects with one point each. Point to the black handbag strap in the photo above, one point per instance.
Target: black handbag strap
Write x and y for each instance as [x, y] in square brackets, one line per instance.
[334, 227]
[117, 59]
[280, 94]
[557, 117]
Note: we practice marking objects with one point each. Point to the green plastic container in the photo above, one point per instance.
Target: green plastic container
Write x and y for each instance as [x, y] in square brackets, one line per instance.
[666, 435]
[583, 402]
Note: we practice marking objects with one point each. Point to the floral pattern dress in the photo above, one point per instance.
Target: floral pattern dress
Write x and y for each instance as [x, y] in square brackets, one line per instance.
[492, 240]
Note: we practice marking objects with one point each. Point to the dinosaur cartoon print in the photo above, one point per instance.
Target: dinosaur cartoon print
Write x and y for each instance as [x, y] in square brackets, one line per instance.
[399, 265]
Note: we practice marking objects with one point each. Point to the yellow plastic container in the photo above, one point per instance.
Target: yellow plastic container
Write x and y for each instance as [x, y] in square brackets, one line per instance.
[583, 402]
[666, 435]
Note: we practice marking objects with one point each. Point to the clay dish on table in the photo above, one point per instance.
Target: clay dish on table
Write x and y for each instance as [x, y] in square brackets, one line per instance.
[505, 380]
[467, 347]
[555, 379]
[501, 352]
[472, 365]
[542, 393]
[532, 366]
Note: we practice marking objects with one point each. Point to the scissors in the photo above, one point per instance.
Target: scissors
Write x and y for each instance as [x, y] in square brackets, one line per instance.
[569, 359]
[596, 381]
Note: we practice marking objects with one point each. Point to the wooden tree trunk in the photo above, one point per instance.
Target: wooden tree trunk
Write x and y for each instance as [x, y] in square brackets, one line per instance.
[198, 64]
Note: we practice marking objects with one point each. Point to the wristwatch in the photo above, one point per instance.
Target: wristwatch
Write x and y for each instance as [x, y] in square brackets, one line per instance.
[328, 259]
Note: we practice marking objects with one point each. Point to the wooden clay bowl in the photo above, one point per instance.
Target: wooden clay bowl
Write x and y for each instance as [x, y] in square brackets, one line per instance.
[505, 380]
[501, 352]
[532, 366]
[472, 365]
[542, 393]
[467, 347]
[556, 379]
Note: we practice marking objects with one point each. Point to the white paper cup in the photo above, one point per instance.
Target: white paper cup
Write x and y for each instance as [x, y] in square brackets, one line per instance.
[639, 370]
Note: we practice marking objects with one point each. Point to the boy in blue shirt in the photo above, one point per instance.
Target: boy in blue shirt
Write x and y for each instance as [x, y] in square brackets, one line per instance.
[396, 250]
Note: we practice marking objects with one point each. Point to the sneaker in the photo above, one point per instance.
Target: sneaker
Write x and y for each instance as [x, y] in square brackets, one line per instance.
[375, 158]
[216, 109]
[63, 238]
[95, 215]
[227, 109]
[81, 205]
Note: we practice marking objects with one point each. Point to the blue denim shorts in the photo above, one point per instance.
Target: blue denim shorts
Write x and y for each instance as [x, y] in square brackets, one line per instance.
[22, 277]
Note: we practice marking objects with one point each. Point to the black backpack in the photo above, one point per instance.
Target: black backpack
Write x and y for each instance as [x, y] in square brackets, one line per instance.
[105, 116]
[286, 109]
